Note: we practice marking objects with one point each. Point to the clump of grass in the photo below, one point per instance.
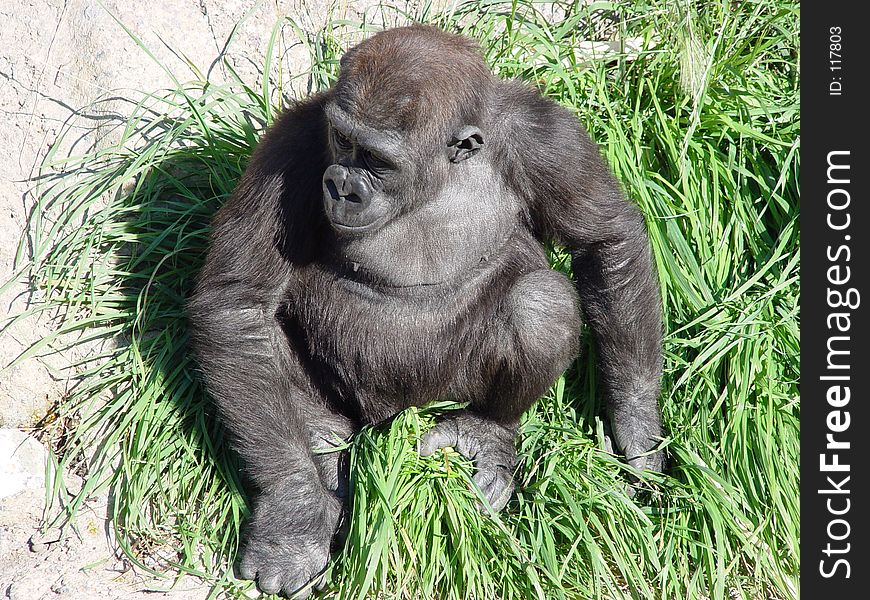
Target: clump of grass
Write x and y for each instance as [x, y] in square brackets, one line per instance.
[416, 524]
[118, 235]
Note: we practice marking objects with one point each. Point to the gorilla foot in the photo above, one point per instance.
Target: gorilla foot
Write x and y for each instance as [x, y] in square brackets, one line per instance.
[288, 541]
[488, 445]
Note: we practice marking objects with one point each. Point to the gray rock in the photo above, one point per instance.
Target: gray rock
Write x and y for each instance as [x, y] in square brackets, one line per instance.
[22, 463]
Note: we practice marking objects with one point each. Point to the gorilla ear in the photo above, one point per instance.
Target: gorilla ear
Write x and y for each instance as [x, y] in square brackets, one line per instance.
[464, 143]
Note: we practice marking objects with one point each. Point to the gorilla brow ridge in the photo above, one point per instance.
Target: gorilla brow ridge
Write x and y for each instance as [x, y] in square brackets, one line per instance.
[386, 142]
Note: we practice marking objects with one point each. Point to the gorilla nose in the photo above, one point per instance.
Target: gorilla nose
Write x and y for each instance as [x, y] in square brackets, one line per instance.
[350, 201]
[345, 186]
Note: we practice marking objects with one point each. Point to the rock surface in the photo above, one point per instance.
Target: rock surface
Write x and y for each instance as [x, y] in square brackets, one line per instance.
[22, 464]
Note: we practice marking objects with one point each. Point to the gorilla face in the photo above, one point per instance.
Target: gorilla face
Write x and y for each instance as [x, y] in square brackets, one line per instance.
[376, 173]
[359, 187]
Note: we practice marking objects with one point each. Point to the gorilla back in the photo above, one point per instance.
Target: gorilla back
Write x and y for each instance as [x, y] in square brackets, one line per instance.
[385, 248]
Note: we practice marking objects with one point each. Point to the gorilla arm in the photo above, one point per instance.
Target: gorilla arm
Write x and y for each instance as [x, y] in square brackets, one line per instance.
[575, 201]
[260, 389]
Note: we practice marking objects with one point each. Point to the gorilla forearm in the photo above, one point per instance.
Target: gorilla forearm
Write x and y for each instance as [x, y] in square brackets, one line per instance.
[237, 352]
[274, 423]
[619, 294]
[575, 201]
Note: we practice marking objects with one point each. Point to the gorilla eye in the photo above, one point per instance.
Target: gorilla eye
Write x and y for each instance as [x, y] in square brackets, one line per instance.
[342, 144]
[376, 163]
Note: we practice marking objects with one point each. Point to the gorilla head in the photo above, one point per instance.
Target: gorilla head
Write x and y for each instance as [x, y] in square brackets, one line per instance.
[398, 117]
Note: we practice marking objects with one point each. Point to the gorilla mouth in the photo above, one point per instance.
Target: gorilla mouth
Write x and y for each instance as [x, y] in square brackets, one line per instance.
[352, 228]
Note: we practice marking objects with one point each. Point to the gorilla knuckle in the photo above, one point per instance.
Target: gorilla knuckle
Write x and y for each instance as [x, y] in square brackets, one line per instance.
[283, 563]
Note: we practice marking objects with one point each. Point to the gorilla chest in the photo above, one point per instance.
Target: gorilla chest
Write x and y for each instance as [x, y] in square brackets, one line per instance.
[383, 352]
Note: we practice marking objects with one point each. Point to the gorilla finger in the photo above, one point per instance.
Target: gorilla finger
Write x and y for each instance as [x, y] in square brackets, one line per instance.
[298, 588]
[648, 462]
[609, 446]
[319, 582]
[270, 582]
[444, 434]
[497, 486]
[247, 567]
[298, 593]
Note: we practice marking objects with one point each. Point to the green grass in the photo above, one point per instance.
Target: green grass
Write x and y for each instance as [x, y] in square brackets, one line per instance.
[702, 127]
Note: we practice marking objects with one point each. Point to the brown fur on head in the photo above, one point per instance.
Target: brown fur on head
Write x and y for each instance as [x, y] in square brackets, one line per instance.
[414, 79]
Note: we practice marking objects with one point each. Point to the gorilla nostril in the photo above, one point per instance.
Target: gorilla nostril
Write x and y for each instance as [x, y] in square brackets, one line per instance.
[343, 194]
[333, 191]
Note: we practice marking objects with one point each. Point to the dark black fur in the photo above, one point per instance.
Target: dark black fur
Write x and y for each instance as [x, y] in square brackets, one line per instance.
[342, 287]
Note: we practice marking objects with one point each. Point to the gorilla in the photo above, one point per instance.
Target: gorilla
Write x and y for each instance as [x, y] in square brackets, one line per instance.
[386, 248]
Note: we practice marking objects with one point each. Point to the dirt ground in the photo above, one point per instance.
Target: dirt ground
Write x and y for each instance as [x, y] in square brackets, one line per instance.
[57, 56]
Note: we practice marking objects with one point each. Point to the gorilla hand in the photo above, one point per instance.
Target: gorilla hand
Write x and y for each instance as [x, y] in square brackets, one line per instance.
[636, 430]
[288, 538]
[487, 444]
